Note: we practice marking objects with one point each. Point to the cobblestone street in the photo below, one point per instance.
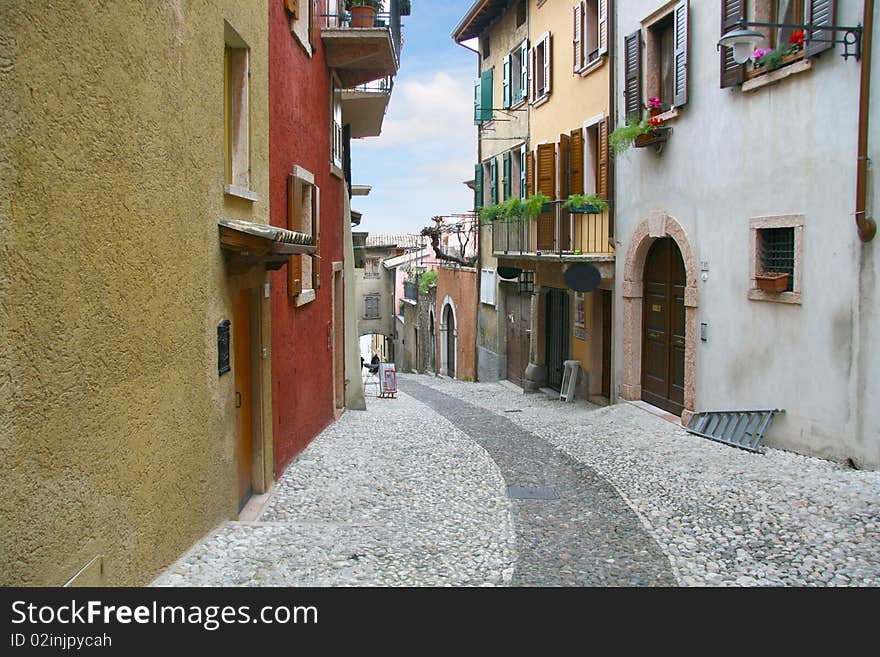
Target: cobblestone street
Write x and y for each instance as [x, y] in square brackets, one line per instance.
[439, 487]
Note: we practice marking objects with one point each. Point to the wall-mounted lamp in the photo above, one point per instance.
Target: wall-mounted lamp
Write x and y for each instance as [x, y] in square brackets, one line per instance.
[743, 40]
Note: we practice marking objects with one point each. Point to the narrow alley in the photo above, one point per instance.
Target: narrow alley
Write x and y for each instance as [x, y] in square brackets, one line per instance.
[463, 484]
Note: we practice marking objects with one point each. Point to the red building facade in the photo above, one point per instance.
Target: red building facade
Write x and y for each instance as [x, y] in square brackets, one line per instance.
[300, 87]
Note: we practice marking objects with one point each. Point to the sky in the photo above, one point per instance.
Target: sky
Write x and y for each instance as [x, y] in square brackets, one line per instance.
[428, 147]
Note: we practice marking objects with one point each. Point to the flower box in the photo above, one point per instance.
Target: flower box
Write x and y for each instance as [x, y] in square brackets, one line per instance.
[649, 139]
[584, 209]
[772, 282]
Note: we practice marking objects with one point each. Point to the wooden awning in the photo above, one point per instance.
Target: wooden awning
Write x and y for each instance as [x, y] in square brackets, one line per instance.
[247, 244]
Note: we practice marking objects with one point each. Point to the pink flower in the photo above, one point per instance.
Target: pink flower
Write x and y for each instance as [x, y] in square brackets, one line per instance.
[760, 52]
[654, 102]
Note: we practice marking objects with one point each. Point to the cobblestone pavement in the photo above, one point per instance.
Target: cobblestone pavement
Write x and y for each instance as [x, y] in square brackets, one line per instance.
[395, 496]
[723, 516]
[415, 493]
[587, 536]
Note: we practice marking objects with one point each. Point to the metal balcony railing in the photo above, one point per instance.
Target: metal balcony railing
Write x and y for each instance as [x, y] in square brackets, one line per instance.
[557, 231]
[385, 85]
[387, 19]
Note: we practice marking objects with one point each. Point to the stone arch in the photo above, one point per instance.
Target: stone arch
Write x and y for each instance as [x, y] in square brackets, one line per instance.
[444, 338]
[657, 225]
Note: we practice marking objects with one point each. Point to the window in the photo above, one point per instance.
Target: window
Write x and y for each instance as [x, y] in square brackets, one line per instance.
[236, 115]
[304, 21]
[336, 140]
[487, 286]
[542, 69]
[516, 78]
[817, 12]
[304, 216]
[371, 268]
[589, 158]
[523, 184]
[777, 248]
[590, 32]
[521, 12]
[371, 306]
[493, 180]
[665, 61]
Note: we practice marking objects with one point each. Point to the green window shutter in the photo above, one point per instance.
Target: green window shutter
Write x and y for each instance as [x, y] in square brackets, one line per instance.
[508, 166]
[486, 95]
[478, 186]
[506, 83]
[523, 187]
[493, 180]
[478, 118]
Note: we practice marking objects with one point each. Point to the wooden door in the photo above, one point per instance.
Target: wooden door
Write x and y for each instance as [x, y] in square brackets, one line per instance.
[606, 296]
[663, 327]
[557, 334]
[519, 313]
[241, 368]
[450, 342]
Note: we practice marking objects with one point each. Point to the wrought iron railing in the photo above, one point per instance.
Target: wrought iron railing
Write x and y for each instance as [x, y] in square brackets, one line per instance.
[557, 231]
[385, 85]
[383, 19]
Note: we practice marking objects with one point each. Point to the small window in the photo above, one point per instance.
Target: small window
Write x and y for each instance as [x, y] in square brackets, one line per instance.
[662, 59]
[515, 84]
[371, 306]
[665, 61]
[236, 113]
[371, 268]
[304, 216]
[487, 286]
[336, 140]
[541, 69]
[520, 12]
[777, 251]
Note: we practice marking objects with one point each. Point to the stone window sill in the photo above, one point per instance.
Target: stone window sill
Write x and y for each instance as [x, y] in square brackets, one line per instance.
[756, 294]
[766, 79]
[336, 171]
[304, 297]
[540, 101]
[241, 192]
[593, 65]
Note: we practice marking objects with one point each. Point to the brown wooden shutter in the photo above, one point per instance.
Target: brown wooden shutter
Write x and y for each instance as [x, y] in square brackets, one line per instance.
[564, 175]
[632, 90]
[732, 13]
[820, 12]
[680, 60]
[576, 182]
[314, 25]
[316, 233]
[546, 175]
[547, 170]
[604, 161]
[294, 263]
[530, 173]
[292, 7]
[578, 42]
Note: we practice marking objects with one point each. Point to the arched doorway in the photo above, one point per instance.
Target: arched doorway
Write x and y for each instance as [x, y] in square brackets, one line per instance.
[659, 226]
[663, 327]
[449, 323]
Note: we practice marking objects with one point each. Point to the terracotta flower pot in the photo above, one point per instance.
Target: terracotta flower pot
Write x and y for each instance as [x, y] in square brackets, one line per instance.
[772, 282]
[643, 141]
[363, 16]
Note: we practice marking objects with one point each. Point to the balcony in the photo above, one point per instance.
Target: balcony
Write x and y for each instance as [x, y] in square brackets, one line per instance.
[362, 54]
[364, 107]
[555, 234]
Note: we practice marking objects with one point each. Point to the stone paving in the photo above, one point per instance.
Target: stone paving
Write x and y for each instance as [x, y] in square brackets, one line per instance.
[723, 516]
[414, 492]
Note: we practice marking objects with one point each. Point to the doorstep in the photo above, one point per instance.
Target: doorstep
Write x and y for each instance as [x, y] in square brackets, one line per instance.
[654, 410]
[254, 506]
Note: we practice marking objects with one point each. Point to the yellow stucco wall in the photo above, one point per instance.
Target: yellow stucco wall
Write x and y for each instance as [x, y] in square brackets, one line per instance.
[573, 98]
[116, 434]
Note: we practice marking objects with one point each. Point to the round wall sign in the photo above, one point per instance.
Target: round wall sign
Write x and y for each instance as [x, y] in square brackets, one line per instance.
[509, 273]
[583, 278]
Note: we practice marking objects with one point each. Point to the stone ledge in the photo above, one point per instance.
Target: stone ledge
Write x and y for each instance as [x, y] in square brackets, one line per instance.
[776, 76]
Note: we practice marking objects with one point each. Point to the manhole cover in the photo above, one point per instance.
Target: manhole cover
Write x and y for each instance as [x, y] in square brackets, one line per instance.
[518, 493]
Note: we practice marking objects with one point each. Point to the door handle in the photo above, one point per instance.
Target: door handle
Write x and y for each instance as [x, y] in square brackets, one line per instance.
[237, 399]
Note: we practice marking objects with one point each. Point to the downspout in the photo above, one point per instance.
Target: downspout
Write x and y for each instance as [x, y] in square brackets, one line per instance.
[612, 186]
[867, 227]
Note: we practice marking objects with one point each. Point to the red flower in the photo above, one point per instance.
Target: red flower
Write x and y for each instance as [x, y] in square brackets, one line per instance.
[656, 121]
[797, 38]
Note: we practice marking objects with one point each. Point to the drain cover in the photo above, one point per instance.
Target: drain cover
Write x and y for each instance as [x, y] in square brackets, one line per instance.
[517, 493]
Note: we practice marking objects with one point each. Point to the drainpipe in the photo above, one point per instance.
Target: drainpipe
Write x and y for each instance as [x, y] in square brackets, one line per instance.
[867, 227]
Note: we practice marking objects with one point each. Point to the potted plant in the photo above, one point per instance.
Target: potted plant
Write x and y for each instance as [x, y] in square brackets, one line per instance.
[772, 281]
[538, 203]
[769, 59]
[647, 132]
[491, 213]
[589, 204]
[655, 106]
[363, 12]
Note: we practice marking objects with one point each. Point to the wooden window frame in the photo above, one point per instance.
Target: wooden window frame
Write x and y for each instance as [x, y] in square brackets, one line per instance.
[304, 271]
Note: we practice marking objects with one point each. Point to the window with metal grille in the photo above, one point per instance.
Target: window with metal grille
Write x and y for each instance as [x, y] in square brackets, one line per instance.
[776, 252]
